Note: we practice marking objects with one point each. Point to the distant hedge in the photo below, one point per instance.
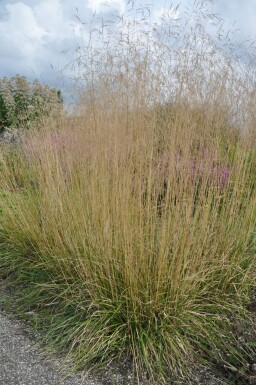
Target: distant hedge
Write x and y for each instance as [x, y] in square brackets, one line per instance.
[23, 102]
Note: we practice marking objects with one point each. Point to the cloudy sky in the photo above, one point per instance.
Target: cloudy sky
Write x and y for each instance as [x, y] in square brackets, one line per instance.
[34, 33]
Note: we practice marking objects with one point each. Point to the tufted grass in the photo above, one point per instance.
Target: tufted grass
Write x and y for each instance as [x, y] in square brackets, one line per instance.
[131, 226]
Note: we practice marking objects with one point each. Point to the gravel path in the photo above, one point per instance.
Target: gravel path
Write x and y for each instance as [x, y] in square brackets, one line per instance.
[23, 363]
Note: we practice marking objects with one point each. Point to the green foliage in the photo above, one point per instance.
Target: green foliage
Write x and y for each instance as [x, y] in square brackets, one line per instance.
[60, 97]
[22, 102]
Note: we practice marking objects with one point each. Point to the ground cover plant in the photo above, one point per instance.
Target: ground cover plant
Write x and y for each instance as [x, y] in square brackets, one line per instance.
[132, 223]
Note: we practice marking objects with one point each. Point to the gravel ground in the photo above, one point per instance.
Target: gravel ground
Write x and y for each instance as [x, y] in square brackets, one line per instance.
[24, 362]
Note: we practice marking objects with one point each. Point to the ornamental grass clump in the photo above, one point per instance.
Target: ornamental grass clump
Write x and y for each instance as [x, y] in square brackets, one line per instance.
[132, 222]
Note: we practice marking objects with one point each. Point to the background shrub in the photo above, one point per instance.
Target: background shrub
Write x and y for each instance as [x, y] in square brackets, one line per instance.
[23, 102]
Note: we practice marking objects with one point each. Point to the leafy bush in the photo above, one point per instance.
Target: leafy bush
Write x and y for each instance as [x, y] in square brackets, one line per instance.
[22, 102]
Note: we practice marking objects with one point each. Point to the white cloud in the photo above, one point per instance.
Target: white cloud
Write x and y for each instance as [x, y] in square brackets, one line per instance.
[34, 32]
[49, 14]
[20, 32]
[106, 5]
[163, 13]
[33, 35]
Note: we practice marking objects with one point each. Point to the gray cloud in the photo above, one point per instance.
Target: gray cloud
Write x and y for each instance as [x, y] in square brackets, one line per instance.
[32, 35]
[242, 13]
[34, 32]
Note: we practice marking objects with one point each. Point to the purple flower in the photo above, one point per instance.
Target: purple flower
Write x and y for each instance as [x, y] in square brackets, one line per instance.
[218, 174]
